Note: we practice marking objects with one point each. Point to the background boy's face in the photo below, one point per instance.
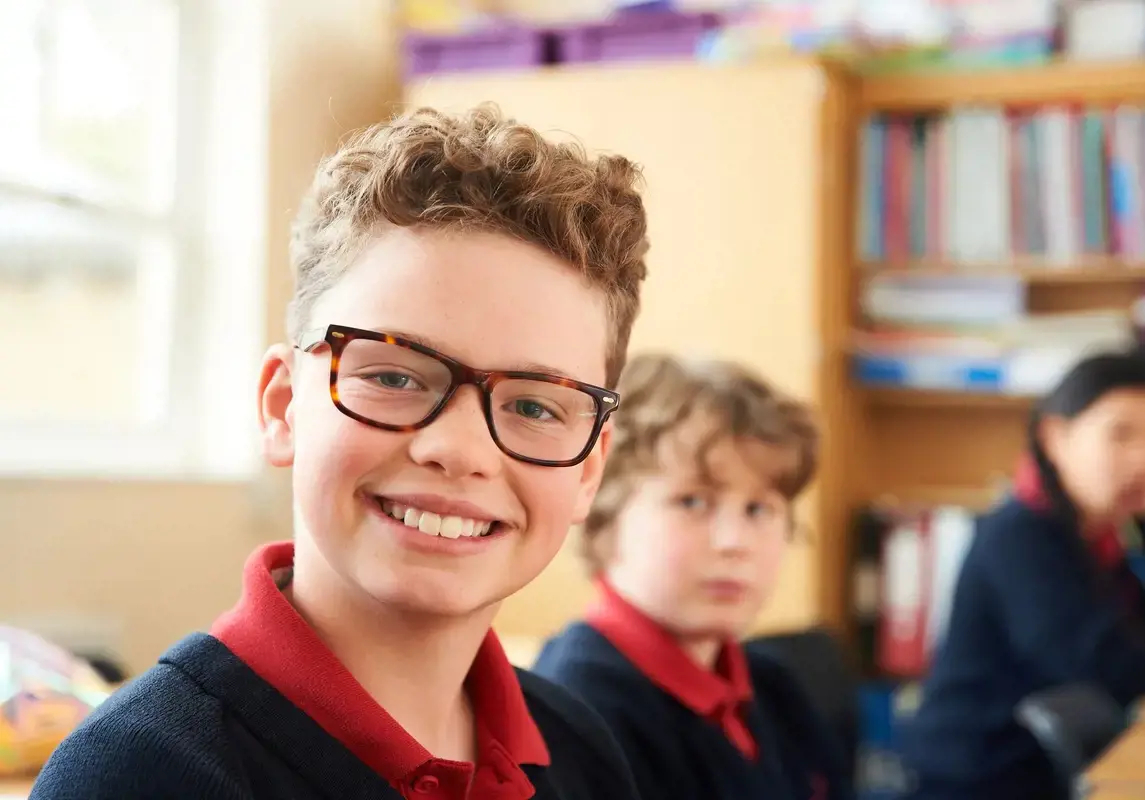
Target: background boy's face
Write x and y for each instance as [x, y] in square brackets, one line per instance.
[491, 302]
[701, 554]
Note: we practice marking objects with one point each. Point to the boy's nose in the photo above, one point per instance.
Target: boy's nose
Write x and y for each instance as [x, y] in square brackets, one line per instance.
[730, 535]
[458, 442]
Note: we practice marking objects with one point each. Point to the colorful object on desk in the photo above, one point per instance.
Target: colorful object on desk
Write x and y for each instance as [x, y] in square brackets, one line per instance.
[45, 692]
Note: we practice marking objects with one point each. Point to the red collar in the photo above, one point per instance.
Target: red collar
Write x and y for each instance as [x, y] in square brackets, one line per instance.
[719, 696]
[266, 633]
[1105, 542]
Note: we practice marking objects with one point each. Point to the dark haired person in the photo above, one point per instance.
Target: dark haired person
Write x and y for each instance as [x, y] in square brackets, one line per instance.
[1045, 596]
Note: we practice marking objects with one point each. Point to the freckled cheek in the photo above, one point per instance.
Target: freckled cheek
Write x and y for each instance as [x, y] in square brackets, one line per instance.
[681, 553]
[336, 453]
[769, 558]
[547, 496]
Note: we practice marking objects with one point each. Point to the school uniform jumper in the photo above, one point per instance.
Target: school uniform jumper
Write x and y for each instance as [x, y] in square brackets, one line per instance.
[745, 731]
[260, 708]
[1035, 606]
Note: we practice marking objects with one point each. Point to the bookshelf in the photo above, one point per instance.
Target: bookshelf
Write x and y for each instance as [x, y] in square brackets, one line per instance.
[941, 445]
[783, 233]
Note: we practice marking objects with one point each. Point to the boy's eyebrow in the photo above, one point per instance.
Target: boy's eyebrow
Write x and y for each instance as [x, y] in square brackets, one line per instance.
[529, 366]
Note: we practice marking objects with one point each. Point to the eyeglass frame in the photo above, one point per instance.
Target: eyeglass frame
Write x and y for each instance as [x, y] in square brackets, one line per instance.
[337, 337]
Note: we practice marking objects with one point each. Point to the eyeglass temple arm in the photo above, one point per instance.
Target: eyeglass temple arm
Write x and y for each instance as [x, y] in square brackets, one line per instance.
[308, 340]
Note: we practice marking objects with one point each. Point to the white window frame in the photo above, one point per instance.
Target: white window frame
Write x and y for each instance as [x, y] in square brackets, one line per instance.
[214, 296]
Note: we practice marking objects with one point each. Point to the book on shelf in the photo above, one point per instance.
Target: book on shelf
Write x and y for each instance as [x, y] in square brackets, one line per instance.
[905, 568]
[1049, 186]
[972, 333]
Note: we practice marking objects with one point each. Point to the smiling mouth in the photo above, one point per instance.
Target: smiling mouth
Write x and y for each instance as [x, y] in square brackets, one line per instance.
[431, 524]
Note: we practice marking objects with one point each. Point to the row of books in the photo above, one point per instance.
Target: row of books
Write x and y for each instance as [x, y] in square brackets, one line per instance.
[991, 185]
[966, 333]
[905, 568]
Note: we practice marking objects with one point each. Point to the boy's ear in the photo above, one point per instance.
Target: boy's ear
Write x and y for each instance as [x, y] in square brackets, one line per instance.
[592, 470]
[275, 400]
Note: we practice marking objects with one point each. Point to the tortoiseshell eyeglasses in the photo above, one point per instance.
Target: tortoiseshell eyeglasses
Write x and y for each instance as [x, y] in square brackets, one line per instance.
[394, 384]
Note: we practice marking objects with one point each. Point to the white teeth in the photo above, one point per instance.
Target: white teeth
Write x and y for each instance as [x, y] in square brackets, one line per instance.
[450, 527]
[432, 524]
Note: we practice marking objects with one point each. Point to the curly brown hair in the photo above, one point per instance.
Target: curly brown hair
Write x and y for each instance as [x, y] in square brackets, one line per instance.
[482, 171]
[662, 394]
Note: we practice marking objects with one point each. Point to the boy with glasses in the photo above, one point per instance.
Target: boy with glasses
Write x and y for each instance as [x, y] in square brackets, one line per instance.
[465, 293]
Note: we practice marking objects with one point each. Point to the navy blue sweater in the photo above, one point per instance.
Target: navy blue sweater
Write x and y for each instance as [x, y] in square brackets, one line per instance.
[1032, 610]
[202, 724]
[677, 755]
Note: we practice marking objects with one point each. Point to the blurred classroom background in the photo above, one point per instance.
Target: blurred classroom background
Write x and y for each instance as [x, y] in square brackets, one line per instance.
[915, 213]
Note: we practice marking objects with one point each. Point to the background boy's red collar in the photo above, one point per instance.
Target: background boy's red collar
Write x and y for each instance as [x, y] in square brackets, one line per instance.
[717, 696]
[1104, 542]
[266, 633]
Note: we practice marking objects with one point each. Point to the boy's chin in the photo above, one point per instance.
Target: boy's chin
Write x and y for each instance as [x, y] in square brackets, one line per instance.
[727, 625]
[427, 598]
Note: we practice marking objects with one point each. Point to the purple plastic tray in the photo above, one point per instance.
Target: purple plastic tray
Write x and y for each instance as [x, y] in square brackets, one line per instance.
[494, 49]
[636, 35]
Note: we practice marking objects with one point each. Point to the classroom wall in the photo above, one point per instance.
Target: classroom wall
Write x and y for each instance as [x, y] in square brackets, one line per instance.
[144, 562]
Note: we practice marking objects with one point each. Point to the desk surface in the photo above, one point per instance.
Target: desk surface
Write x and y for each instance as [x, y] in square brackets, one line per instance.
[1120, 773]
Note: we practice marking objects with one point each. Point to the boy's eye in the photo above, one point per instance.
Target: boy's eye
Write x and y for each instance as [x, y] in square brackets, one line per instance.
[759, 510]
[763, 510]
[531, 409]
[692, 502]
[395, 380]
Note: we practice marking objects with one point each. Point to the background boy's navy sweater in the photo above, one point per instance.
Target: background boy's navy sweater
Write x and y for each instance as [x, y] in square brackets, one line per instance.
[1032, 609]
[677, 755]
[202, 724]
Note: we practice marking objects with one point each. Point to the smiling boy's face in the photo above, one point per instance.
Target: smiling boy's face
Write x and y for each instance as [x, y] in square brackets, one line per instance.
[491, 302]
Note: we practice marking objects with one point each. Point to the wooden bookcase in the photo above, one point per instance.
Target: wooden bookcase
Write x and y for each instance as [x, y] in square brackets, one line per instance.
[751, 176]
[954, 447]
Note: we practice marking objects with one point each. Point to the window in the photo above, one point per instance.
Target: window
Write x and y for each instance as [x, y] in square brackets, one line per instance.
[104, 274]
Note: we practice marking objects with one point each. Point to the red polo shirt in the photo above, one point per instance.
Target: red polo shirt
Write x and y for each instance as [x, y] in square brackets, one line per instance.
[267, 633]
[719, 696]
